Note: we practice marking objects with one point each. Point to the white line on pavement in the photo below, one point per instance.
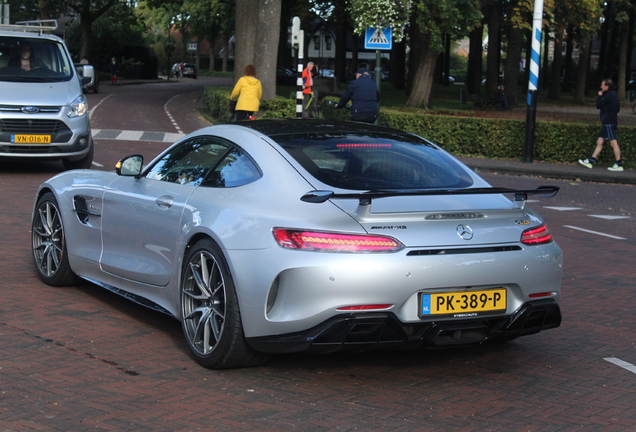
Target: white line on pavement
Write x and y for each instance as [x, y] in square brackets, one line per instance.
[610, 217]
[90, 112]
[594, 232]
[563, 208]
[618, 362]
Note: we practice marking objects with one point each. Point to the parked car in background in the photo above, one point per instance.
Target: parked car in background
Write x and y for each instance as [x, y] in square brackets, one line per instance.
[286, 77]
[190, 70]
[327, 73]
[88, 71]
[284, 236]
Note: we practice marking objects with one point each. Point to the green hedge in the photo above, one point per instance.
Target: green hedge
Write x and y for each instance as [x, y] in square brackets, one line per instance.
[468, 136]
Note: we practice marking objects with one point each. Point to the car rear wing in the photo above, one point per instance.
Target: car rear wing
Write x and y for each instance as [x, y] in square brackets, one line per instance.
[365, 198]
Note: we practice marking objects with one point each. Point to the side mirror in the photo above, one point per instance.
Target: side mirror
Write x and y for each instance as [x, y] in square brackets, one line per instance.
[130, 166]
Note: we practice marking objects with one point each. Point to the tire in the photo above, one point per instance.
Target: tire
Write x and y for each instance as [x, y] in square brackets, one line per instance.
[210, 313]
[49, 244]
[85, 163]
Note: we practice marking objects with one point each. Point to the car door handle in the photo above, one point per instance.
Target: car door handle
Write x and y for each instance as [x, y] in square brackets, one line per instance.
[164, 201]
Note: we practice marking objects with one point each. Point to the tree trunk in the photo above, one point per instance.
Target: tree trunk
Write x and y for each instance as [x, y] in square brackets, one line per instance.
[86, 25]
[582, 71]
[246, 28]
[340, 60]
[45, 9]
[557, 62]
[513, 60]
[475, 60]
[423, 73]
[266, 50]
[569, 72]
[398, 65]
[494, 41]
[622, 61]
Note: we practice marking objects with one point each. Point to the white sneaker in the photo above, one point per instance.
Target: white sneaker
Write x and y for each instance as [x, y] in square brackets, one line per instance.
[615, 167]
[586, 163]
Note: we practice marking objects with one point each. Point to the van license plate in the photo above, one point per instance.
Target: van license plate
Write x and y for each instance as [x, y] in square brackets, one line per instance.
[464, 303]
[31, 139]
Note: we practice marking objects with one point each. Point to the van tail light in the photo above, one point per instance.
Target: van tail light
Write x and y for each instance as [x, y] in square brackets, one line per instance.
[536, 236]
[334, 242]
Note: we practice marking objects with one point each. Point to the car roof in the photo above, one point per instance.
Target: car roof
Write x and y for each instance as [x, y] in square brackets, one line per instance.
[280, 127]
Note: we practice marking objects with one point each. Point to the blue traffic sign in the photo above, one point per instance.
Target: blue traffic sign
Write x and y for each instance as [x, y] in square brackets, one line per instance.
[378, 39]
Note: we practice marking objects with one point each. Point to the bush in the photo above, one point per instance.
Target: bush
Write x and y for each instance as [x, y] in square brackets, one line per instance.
[461, 135]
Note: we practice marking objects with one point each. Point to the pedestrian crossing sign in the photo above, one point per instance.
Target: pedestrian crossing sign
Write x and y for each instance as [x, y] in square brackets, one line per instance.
[378, 39]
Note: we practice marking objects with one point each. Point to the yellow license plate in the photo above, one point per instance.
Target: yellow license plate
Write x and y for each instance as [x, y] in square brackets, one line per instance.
[463, 303]
[31, 139]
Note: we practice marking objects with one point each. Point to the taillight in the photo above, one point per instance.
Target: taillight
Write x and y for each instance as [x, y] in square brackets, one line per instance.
[536, 236]
[334, 242]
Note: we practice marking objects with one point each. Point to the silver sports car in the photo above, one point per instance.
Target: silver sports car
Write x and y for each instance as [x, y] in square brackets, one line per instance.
[280, 236]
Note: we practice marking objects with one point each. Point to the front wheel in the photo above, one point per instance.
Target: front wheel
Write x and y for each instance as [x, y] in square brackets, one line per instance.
[210, 311]
[49, 243]
[85, 163]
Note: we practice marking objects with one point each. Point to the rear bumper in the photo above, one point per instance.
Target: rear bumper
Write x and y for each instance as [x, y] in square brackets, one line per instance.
[369, 331]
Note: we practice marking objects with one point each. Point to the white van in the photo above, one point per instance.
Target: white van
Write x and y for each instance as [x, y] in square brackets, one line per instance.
[43, 111]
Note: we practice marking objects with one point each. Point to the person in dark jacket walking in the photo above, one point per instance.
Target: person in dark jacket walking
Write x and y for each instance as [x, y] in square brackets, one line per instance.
[608, 104]
[364, 95]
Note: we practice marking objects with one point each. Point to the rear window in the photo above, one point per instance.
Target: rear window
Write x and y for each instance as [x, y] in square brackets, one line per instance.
[365, 161]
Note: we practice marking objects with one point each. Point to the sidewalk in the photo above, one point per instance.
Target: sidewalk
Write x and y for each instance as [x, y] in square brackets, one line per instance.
[560, 171]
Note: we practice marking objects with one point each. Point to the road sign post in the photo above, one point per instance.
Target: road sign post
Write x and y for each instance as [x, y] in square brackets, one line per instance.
[378, 39]
[298, 43]
[533, 84]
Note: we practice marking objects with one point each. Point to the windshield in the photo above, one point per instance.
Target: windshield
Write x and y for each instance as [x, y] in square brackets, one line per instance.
[368, 161]
[33, 59]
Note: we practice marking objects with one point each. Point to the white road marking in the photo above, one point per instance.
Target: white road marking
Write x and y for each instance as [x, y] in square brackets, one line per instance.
[594, 232]
[98, 164]
[563, 208]
[165, 108]
[130, 135]
[610, 217]
[618, 362]
[90, 112]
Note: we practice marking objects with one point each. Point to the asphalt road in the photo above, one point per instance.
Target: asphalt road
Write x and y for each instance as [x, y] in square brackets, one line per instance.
[82, 358]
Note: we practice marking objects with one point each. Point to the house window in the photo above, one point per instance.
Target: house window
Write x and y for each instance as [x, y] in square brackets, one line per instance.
[317, 43]
[328, 43]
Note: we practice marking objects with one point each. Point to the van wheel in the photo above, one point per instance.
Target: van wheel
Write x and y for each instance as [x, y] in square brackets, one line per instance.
[85, 163]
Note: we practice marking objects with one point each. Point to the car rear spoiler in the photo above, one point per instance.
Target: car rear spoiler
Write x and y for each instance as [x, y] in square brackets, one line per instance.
[521, 195]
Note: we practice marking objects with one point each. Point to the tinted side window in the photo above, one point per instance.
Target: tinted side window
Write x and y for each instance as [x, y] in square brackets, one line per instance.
[189, 162]
[236, 169]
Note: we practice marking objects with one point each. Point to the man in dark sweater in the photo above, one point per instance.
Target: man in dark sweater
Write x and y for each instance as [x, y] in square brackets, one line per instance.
[364, 96]
[608, 104]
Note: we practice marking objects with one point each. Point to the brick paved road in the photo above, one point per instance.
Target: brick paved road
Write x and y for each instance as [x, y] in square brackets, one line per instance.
[81, 358]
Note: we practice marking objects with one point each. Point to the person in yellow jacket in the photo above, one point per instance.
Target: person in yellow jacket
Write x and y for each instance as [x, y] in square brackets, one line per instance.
[249, 92]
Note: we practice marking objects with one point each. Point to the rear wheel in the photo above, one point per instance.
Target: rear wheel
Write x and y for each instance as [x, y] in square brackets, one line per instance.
[210, 311]
[49, 243]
